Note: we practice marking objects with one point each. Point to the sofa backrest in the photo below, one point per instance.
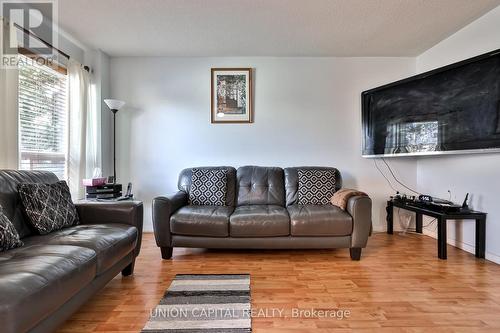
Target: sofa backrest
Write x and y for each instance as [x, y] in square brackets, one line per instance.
[184, 183]
[292, 182]
[260, 186]
[9, 197]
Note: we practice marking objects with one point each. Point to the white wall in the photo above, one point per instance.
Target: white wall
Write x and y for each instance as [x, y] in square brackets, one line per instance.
[477, 174]
[307, 112]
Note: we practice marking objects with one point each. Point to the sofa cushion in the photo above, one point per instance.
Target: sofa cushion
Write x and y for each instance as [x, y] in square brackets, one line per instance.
[292, 181]
[208, 187]
[111, 242]
[9, 238]
[259, 221]
[316, 187]
[36, 280]
[9, 195]
[48, 206]
[260, 186]
[186, 176]
[319, 220]
[210, 221]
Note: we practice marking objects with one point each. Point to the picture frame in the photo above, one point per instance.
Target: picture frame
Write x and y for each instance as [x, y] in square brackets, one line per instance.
[231, 94]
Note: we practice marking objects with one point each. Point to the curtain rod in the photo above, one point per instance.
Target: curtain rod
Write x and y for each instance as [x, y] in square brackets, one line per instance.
[29, 33]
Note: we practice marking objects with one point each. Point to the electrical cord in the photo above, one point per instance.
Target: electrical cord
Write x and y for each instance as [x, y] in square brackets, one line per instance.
[393, 175]
[396, 178]
[383, 175]
[429, 224]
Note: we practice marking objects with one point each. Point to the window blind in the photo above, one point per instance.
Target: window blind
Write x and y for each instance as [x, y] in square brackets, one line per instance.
[43, 119]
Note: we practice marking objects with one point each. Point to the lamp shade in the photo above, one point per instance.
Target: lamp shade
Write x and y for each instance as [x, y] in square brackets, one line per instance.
[114, 104]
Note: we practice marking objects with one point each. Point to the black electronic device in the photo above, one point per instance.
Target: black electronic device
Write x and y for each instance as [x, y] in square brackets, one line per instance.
[129, 190]
[426, 201]
[107, 191]
[425, 198]
[128, 194]
[103, 195]
[453, 109]
[107, 188]
[448, 207]
[465, 204]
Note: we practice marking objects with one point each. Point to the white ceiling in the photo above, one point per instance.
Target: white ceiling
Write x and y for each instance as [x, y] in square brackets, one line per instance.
[267, 27]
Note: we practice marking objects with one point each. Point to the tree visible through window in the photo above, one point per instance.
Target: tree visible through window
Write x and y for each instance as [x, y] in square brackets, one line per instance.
[43, 120]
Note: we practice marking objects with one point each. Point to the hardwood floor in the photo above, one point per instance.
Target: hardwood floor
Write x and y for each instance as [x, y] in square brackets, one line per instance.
[398, 286]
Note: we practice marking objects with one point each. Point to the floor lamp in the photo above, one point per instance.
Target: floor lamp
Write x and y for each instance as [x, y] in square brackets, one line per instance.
[114, 105]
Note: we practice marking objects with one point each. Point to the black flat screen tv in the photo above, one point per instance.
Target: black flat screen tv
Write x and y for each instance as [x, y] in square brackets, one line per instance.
[453, 109]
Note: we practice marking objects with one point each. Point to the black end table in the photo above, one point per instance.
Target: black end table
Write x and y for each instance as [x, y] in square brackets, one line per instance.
[442, 218]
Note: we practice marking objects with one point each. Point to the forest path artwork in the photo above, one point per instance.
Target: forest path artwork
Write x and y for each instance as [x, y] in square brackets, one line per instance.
[231, 95]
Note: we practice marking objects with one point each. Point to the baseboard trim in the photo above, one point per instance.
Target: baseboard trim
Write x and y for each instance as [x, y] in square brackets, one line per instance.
[464, 246]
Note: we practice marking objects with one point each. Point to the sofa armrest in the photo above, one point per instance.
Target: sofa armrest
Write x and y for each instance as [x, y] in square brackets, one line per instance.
[360, 208]
[163, 208]
[124, 212]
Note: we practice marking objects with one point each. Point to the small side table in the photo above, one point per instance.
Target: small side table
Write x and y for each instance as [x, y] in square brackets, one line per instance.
[442, 218]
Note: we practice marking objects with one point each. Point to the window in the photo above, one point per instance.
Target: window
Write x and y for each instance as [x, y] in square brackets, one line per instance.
[43, 118]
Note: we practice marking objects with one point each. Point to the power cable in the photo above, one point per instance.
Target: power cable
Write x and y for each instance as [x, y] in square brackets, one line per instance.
[396, 178]
[383, 175]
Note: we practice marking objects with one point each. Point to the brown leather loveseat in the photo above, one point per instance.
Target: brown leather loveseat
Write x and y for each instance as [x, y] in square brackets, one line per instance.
[261, 212]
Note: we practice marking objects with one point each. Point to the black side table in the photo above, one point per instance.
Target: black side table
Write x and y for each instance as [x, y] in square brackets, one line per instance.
[441, 218]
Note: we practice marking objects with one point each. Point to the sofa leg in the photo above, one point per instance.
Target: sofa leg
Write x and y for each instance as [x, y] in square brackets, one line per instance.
[129, 270]
[355, 253]
[166, 252]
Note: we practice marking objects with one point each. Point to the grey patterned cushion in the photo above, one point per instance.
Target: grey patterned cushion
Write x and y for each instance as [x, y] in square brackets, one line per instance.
[9, 238]
[316, 187]
[48, 206]
[208, 187]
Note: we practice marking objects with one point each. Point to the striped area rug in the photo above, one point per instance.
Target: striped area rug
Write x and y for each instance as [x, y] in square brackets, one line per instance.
[203, 304]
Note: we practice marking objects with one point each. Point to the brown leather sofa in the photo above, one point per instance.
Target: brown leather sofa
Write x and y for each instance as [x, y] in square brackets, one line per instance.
[43, 282]
[261, 212]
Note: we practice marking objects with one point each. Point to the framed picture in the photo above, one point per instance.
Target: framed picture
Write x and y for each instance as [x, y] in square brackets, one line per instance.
[231, 95]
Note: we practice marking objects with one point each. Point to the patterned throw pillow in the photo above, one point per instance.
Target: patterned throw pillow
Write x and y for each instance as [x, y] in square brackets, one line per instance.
[208, 187]
[9, 238]
[48, 206]
[316, 187]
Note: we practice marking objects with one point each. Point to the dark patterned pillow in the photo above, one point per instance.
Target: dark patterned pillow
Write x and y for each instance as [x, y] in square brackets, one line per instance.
[316, 187]
[208, 187]
[9, 238]
[48, 206]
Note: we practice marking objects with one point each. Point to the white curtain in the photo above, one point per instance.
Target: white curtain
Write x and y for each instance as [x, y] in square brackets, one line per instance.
[9, 146]
[83, 134]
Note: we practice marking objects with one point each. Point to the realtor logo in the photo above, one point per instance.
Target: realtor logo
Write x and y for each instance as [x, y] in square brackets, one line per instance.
[29, 26]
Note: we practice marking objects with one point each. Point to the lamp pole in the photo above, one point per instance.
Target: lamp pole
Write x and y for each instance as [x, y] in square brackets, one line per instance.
[114, 144]
[114, 105]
